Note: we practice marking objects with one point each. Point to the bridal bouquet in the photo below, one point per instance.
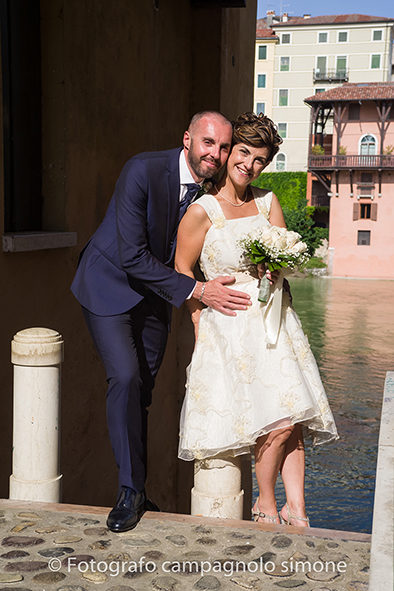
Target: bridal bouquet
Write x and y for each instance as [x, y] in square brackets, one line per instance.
[277, 248]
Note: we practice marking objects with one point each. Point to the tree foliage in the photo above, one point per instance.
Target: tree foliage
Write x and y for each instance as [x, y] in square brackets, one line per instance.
[290, 188]
[300, 220]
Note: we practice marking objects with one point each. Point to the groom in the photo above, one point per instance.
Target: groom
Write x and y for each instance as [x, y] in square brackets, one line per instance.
[126, 285]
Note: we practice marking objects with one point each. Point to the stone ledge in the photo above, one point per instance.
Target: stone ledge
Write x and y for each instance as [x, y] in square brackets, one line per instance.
[382, 547]
[192, 520]
[28, 241]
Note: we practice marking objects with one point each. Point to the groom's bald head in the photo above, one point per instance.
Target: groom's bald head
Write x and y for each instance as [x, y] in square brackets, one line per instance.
[212, 115]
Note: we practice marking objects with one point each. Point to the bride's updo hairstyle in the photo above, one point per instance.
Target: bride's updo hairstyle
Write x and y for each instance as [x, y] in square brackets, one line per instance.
[257, 131]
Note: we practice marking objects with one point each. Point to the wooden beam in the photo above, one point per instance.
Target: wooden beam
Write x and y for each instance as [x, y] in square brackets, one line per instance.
[323, 180]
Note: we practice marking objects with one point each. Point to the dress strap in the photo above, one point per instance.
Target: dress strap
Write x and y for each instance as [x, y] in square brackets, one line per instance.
[212, 209]
[263, 202]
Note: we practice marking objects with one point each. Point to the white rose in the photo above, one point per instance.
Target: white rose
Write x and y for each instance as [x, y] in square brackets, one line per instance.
[267, 237]
[299, 248]
[291, 239]
[279, 237]
[280, 242]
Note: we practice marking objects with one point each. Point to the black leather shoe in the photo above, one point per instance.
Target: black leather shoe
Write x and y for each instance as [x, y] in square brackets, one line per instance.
[128, 510]
[151, 506]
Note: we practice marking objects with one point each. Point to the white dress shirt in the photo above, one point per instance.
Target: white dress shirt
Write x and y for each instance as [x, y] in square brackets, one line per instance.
[185, 177]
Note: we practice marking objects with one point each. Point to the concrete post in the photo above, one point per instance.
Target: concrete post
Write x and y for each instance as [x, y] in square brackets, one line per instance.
[217, 488]
[36, 354]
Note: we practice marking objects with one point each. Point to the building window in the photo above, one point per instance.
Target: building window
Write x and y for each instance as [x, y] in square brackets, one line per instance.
[280, 163]
[318, 90]
[285, 38]
[284, 64]
[375, 61]
[282, 129]
[354, 112]
[260, 108]
[367, 145]
[262, 52]
[342, 36]
[341, 65]
[261, 81]
[365, 211]
[321, 65]
[21, 94]
[377, 35]
[283, 97]
[364, 237]
[322, 38]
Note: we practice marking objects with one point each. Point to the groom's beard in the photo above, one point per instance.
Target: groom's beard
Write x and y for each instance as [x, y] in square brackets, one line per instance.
[199, 166]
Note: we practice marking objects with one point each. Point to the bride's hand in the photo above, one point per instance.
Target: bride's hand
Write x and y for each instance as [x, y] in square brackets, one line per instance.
[272, 276]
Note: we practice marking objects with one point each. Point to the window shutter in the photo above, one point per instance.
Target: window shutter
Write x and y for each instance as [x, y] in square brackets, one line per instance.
[356, 211]
[374, 211]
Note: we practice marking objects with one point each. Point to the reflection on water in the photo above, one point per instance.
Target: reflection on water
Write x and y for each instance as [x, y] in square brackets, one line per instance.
[350, 326]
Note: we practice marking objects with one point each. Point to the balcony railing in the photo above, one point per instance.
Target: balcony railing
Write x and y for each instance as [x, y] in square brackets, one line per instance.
[338, 75]
[331, 162]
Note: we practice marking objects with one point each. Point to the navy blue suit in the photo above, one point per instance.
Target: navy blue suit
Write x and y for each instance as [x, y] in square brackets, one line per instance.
[126, 286]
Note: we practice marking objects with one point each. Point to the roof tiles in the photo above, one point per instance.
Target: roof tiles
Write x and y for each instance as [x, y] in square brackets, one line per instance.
[265, 34]
[332, 19]
[355, 92]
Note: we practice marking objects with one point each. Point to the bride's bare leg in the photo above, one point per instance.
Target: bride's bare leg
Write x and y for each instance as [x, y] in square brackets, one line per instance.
[293, 476]
[269, 453]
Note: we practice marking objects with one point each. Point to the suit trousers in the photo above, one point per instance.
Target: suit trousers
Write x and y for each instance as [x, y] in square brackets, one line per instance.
[131, 346]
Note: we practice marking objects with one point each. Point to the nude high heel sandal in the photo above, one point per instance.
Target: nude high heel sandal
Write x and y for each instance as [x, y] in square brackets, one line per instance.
[256, 515]
[290, 516]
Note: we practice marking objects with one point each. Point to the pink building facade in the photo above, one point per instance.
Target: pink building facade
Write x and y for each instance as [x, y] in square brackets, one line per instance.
[351, 158]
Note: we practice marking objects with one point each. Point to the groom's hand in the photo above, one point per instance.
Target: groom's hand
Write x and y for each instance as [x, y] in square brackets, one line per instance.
[216, 295]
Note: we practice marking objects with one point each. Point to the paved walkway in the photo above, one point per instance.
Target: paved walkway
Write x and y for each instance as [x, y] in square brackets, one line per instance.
[69, 548]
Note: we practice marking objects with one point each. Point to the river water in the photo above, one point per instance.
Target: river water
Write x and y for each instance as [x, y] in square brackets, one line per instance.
[350, 326]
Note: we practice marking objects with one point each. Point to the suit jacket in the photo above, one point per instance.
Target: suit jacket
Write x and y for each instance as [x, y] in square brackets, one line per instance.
[129, 257]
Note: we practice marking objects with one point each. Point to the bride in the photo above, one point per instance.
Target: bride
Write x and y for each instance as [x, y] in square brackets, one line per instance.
[243, 392]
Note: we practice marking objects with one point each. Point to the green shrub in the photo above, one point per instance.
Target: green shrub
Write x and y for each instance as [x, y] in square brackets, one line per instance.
[315, 263]
[318, 150]
[290, 188]
[301, 221]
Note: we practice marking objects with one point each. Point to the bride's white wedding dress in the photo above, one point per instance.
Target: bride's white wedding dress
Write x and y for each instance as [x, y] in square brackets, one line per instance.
[239, 387]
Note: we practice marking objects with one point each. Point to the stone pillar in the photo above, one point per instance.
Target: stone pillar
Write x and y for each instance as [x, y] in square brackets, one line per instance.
[36, 354]
[217, 488]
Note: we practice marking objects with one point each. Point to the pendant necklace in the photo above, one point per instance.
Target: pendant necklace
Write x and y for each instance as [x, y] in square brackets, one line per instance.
[231, 202]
